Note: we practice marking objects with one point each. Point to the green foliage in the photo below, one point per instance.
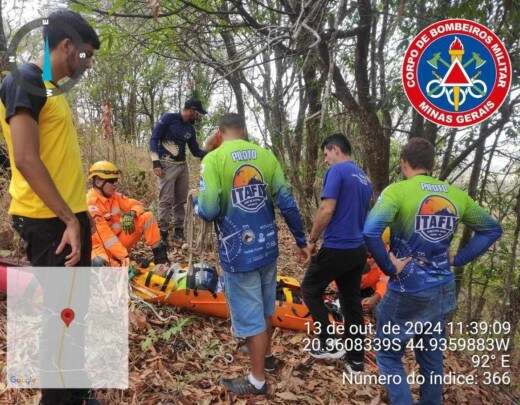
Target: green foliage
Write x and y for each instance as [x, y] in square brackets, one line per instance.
[150, 339]
[394, 160]
[152, 336]
[176, 328]
[211, 349]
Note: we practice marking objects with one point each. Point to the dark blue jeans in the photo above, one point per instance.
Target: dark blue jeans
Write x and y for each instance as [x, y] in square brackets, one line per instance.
[419, 316]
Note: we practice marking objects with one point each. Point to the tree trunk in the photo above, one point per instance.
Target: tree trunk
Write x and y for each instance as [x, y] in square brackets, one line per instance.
[377, 149]
[376, 146]
[233, 78]
[131, 115]
[447, 152]
[472, 191]
[420, 127]
[477, 313]
[417, 127]
[470, 292]
[3, 44]
[488, 167]
[511, 288]
[314, 88]
[294, 145]
[277, 110]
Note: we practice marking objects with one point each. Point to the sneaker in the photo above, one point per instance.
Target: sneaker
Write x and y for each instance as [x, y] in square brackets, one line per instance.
[271, 364]
[327, 351]
[242, 386]
[354, 367]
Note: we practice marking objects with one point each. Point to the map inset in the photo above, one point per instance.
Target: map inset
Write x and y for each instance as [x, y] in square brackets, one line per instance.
[67, 327]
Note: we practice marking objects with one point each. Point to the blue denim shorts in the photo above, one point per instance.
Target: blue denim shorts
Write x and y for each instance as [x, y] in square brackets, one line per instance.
[251, 298]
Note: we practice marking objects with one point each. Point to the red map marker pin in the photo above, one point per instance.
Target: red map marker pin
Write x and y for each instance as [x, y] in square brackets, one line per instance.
[67, 315]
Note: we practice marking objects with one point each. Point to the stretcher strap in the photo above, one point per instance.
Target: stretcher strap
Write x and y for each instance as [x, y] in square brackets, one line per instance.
[169, 275]
[293, 310]
[148, 278]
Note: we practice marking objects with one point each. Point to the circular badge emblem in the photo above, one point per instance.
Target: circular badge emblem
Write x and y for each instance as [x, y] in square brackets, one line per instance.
[248, 237]
[47, 71]
[456, 73]
[436, 218]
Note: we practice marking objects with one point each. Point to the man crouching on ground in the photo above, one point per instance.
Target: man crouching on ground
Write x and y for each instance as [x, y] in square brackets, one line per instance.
[240, 185]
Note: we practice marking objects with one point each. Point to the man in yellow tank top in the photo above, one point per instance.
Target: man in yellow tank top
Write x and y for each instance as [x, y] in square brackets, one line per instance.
[48, 206]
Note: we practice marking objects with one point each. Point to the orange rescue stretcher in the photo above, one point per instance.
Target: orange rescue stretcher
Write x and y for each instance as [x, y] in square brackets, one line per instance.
[290, 312]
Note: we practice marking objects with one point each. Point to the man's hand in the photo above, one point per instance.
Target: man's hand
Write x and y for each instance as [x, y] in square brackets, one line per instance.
[161, 269]
[370, 302]
[213, 141]
[399, 264]
[71, 236]
[305, 253]
[158, 171]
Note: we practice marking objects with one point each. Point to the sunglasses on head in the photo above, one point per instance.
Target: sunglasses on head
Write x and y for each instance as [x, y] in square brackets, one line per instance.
[111, 181]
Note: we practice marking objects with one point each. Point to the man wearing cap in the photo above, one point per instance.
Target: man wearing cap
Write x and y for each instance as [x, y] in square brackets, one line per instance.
[168, 152]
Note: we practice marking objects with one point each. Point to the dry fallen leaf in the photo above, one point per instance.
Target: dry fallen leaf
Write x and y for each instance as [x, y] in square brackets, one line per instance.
[286, 395]
[138, 320]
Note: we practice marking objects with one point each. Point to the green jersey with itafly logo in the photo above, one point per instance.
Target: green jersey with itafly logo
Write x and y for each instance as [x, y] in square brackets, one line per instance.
[423, 214]
[240, 185]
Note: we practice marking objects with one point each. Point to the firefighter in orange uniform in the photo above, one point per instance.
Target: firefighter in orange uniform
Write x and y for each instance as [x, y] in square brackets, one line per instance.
[120, 221]
[373, 280]
[373, 285]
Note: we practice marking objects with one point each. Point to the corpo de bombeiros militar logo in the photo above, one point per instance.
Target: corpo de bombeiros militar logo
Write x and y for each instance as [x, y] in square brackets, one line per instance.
[456, 73]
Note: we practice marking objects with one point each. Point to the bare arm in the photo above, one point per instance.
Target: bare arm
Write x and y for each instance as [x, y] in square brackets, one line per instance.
[26, 149]
[322, 218]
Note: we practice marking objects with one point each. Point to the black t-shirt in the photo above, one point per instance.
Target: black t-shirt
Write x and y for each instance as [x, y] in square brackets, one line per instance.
[14, 96]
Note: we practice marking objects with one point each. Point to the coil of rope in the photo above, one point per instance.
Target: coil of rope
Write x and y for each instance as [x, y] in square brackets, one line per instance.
[200, 237]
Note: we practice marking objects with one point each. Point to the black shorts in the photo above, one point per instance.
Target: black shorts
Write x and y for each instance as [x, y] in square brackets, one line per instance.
[43, 236]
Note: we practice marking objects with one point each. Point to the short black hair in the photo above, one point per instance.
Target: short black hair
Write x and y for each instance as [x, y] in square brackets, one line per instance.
[339, 140]
[419, 153]
[231, 121]
[55, 31]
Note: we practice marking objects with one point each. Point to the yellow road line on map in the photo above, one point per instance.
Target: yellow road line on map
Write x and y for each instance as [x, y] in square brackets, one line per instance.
[63, 330]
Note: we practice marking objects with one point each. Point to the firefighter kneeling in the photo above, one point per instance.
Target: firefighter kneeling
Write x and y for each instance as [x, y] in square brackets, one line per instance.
[120, 221]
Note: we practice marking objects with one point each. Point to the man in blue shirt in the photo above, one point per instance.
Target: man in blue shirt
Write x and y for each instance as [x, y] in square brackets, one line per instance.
[168, 152]
[345, 200]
